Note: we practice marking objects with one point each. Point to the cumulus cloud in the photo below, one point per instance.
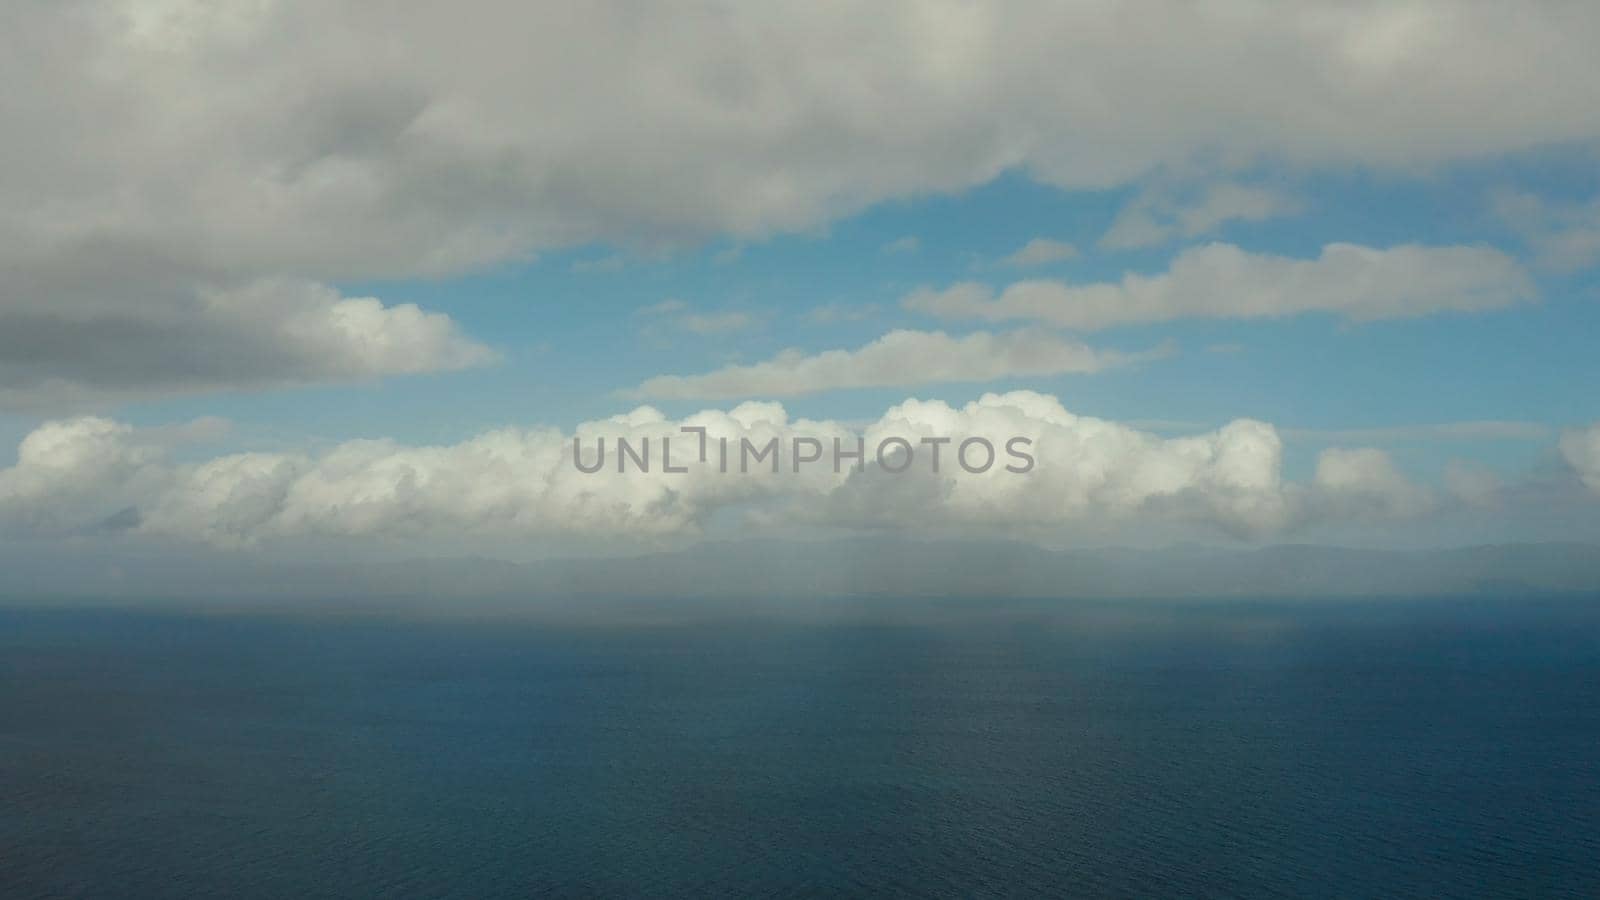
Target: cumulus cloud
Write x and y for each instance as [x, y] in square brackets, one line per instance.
[1364, 483]
[1040, 251]
[184, 143]
[899, 358]
[1222, 281]
[85, 474]
[1157, 216]
[272, 332]
[1086, 468]
[1581, 449]
[334, 139]
[72, 475]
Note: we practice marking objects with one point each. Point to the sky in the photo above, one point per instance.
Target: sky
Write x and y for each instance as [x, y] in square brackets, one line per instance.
[289, 280]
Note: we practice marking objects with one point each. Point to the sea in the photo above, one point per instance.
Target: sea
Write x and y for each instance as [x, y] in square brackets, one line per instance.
[1384, 748]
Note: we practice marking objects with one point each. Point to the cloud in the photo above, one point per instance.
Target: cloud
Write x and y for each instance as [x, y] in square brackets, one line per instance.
[1565, 236]
[1486, 430]
[716, 323]
[665, 307]
[95, 475]
[1156, 216]
[192, 143]
[605, 264]
[1040, 251]
[899, 358]
[903, 246]
[1472, 484]
[72, 475]
[829, 313]
[334, 140]
[1581, 449]
[680, 315]
[1222, 281]
[266, 333]
[1364, 483]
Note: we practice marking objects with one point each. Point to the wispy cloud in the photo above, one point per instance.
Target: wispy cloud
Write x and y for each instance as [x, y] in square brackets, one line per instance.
[613, 263]
[899, 358]
[1157, 216]
[830, 313]
[1222, 281]
[1479, 430]
[1040, 251]
[1564, 236]
[679, 315]
[716, 323]
[663, 308]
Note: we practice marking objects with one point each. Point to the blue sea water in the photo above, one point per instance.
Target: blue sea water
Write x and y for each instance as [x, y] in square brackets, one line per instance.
[1371, 749]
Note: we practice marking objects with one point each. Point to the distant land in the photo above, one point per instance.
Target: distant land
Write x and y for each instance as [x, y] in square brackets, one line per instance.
[767, 575]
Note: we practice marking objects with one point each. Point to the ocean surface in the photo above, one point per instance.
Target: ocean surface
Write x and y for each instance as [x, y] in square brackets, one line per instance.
[1388, 749]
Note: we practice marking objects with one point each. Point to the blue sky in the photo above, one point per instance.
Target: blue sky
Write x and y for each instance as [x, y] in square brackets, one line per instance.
[1305, 273]
[575, 329]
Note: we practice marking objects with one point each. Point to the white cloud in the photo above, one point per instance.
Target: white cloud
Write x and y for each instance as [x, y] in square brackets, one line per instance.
[1581, 449]
[88, 474]
[1157, 216]
[328, 138]
[903, 246]
[1222, 281]
[1566, 237]
[899, 358]
[1040, 251]
[1364, 483]
[152, 148]
[71, 475]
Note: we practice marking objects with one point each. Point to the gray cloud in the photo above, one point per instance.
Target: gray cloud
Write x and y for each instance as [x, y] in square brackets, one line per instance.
[1223, 281]
[259, 334]
[152, 148]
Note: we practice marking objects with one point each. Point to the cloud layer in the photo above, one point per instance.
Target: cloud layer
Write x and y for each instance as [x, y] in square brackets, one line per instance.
[1222, 281]
[92, 475]
[242, 136]
[160, 150]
